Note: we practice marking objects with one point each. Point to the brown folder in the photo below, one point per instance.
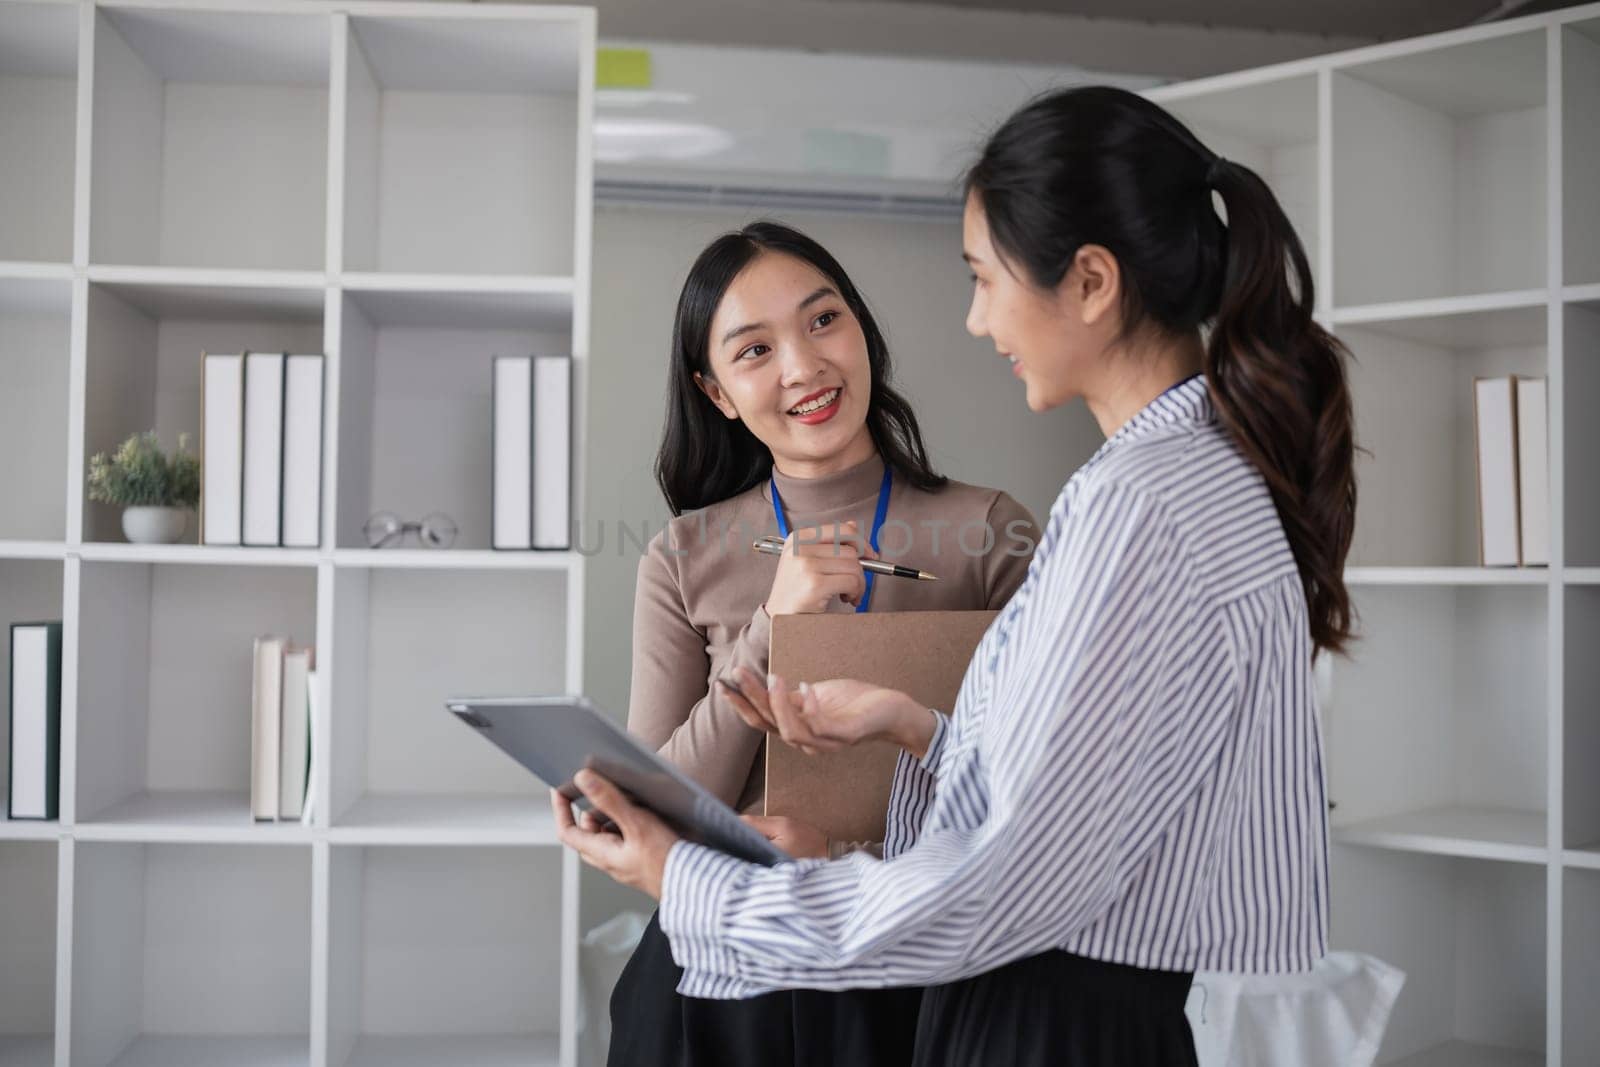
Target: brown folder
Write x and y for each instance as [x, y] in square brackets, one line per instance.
[923, 653]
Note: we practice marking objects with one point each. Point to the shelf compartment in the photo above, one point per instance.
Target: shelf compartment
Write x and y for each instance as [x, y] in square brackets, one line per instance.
[32, 593]
[35, 355]
[1580, 964]
[1436, 725]
[210, 141]
[1581, 710]
[1411, 385]
[144, 347]
[1581, 390]
[189, 953]
[415, 405]
[1270, 127]
[1469, 934]
[487, 922]
[1446, 576]
[408, 640]
[426, 92]
[1580, 152]
[38, 126]
[164, 676]
[1442, 153]
[28, 879]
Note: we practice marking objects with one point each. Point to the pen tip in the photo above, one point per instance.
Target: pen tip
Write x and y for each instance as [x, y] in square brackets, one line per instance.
[928, 577]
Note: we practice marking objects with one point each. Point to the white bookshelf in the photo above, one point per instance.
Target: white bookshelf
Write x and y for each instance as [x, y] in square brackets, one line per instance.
[405, 187]
[1445, 188]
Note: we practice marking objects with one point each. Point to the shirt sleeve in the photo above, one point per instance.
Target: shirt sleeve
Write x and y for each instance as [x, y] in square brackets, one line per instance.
[1086, 756]
[912, 792]
[672, 703]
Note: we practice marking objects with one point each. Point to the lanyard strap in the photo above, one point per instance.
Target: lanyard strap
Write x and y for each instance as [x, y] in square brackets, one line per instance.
[877, 524]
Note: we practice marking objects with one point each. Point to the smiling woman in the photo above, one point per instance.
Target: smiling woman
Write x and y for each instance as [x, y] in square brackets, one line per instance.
[781, 419]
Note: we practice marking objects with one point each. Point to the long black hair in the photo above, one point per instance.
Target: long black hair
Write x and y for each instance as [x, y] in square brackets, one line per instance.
[705, 457]
[1098, 165]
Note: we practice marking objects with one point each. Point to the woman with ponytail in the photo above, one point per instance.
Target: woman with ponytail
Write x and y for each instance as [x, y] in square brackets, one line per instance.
[1130, 786]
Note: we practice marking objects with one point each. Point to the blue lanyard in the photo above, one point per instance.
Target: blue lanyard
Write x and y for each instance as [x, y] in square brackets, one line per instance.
[877, 524]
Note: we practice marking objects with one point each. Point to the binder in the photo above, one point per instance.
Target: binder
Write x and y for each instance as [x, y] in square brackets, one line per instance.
[35, 720]
[266, 706]
[923, 653]
[512, 454]
[221, 448]
[263, 448]
[1533, 471]
[302, 451]
[294, 733]
[552, 452]
[1495, 422]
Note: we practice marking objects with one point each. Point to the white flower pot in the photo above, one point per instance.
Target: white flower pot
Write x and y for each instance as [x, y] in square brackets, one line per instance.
[154, 526]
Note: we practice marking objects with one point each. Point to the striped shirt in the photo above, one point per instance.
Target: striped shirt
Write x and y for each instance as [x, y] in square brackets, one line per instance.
[1132, 771]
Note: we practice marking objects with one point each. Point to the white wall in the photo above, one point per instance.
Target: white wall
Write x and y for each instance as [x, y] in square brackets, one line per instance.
[913, 279]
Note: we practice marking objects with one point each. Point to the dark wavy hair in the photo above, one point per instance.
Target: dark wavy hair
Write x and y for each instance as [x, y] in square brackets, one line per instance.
[705, 457]
[1099, 165]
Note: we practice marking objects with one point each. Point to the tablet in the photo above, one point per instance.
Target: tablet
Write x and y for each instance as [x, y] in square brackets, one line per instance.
[557, 736]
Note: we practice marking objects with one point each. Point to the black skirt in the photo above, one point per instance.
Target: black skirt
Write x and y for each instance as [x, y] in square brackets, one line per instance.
[1053, 1009]
[652, 1024]
[1058, 1009]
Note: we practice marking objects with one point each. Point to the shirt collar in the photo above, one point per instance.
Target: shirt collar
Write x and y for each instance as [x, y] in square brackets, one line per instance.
[1188, 403]
[854, 485]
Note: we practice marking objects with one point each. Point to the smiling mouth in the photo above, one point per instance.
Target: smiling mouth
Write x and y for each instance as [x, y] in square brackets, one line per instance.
[816, 403]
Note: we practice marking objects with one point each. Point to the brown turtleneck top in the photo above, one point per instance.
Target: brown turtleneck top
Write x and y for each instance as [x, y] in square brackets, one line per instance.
[699, 605]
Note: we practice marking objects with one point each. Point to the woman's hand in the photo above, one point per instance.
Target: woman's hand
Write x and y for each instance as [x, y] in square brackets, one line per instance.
[799, 839]
[830, 715]
[634, 851]
[820, 564]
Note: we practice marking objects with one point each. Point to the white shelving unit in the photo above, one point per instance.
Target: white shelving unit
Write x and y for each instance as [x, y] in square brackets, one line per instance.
[405, 187]
[1446, 190]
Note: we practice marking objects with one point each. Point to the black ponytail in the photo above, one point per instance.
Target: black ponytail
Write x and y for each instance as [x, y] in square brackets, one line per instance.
[1099, 165]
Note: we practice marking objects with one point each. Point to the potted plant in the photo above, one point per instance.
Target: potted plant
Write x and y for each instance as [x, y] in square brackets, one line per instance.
[155, 491]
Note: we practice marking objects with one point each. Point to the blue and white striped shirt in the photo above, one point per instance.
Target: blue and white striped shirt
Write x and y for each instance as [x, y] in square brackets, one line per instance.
[1133, 770]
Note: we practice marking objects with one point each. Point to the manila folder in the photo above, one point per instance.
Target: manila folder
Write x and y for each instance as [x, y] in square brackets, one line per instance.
[924, 653]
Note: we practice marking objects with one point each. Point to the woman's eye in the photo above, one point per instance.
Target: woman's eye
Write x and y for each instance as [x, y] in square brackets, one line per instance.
[826, 318]
[755, 350]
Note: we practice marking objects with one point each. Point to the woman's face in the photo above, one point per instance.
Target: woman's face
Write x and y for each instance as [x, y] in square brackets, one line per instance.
[788, 357]
[1056, 339]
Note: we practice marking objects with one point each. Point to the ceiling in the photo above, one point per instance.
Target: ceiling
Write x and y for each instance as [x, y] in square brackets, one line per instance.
[1370, 19]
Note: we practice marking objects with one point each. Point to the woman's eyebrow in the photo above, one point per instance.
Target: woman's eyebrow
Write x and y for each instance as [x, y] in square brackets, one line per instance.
[826, 290]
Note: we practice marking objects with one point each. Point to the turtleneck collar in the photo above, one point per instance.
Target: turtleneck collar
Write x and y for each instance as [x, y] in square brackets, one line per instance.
[851, 486]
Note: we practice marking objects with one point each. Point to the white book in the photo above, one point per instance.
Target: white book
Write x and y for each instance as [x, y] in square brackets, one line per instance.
[313, 717]
[294, 740]
[263, 448]
[221, 448]
[1533, 470]
[265, 710]
[302, 451]
[35, 720]
[513, 452]
[552, 452]
[1495, 410]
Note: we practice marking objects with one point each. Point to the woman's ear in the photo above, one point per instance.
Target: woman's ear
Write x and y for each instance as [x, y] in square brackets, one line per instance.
[1092, 288]
[715, 394]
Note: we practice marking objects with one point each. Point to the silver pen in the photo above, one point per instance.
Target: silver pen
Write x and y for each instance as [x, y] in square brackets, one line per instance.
[773, 546]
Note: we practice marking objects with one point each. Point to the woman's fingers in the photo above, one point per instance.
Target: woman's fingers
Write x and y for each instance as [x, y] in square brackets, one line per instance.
[607, 799]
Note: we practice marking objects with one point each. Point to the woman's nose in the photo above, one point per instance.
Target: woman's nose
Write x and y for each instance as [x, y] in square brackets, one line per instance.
[801, 362]
[976, 324]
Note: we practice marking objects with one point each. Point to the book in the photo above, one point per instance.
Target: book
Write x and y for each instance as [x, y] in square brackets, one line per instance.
[313, 760]
[302, 451]
[35, 720]
[1495, 422]
[266, 708]
[552, 452]
[221, 448]
[512, 454]
[263, 448]
[1533, 471]
[294, 740]
[924, 653]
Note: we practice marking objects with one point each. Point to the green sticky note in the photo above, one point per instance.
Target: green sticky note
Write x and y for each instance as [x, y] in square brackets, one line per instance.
[622, 68]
